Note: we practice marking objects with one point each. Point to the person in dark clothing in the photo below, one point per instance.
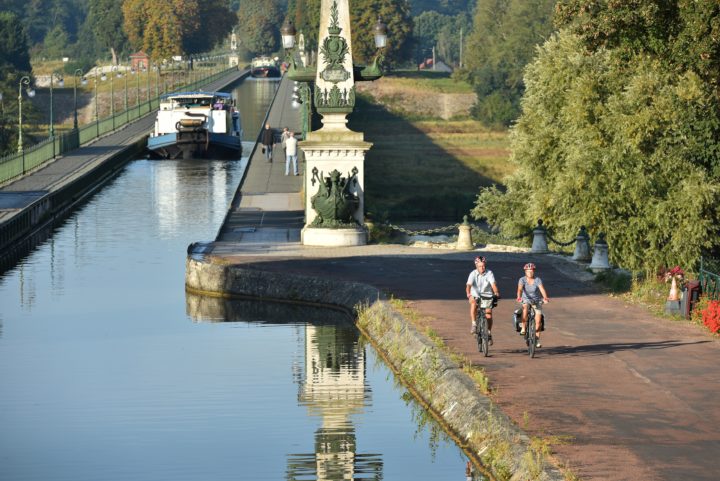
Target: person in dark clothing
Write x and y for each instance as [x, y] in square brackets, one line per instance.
[268, 139]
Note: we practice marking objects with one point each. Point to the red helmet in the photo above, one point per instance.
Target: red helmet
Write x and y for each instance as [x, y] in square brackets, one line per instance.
[529, 266]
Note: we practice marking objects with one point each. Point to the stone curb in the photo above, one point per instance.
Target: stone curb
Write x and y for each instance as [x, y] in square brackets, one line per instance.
[502, 447]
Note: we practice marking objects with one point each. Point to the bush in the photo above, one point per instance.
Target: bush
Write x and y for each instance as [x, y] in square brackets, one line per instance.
[711, 316]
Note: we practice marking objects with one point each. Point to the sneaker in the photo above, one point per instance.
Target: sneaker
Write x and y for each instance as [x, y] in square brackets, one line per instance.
[472, 329]
[522, 332]
[537, 344]
[490, 343]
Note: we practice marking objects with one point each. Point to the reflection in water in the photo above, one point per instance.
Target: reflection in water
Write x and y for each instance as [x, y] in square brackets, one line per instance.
[332, 386]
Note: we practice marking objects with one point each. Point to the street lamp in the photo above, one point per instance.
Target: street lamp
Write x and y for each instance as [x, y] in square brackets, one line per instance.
[380, 32]
[287, 32]
[97, 113]
[76, 74]
[61, 83]
[31, 93]
[127, 114]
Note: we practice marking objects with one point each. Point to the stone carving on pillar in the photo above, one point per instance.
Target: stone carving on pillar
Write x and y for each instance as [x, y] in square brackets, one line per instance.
[334, 215]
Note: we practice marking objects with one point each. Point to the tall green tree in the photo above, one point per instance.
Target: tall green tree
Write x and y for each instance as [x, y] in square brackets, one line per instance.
[259, 27]
[396, 14]
[105, 22]
[621, 144]
[14, 63]
[504, 37]
[164, 28]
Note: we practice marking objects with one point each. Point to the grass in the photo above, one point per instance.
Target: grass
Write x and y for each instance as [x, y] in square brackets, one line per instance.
[440, 82]
[426, 169]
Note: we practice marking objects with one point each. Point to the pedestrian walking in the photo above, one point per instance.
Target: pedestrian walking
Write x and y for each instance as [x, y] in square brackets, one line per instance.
[283, 137]
[291, 154]
[268, 139]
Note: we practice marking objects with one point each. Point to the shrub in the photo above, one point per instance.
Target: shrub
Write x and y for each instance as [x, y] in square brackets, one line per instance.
[711, 316]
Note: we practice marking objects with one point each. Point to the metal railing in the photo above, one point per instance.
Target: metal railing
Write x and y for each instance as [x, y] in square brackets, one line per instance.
[16, 165]
[709, 280]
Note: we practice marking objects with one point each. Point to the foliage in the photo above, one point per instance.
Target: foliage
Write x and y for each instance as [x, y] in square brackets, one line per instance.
[363, 17]
[14, 63]
[105, 24]
[503, 41]
[164, 28]
[711, 316]
[259, 28]
[395, 14]
[445, 7]
[14, 54]
[619, 147]
[443, 31]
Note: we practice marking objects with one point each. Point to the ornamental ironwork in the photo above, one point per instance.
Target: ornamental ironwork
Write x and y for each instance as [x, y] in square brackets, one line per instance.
[334, 99]
[334, 49]
[334, 203]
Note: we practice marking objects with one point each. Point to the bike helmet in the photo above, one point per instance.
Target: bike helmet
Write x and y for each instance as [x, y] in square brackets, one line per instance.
[529, 266]
[480, 259]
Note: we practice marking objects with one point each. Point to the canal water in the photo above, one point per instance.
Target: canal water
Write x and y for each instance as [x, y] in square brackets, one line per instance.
[109, 371]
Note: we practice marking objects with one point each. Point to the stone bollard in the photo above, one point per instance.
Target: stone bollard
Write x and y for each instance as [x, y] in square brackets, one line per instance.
[600, 255]
[464, 242]
[539, 244]
[582, 246]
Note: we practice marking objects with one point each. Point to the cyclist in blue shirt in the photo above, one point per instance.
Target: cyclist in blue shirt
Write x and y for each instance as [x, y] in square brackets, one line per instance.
[531, 291]
[481, 286]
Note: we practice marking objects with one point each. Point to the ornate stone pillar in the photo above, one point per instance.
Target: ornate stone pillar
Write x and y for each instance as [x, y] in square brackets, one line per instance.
[335, 155]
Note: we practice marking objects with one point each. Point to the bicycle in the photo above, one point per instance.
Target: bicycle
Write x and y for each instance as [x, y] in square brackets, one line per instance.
[482, 331]
[530, 335]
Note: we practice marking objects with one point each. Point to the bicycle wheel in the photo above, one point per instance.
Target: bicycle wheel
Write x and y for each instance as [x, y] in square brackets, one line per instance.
[483, 337]
[532, 335]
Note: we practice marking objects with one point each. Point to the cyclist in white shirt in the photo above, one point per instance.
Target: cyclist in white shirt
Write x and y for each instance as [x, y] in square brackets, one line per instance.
[481, 287]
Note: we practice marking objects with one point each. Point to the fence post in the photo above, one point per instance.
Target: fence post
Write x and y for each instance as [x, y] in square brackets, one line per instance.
[464, 242]
[539, 244]
[600, 260]
[582, 246]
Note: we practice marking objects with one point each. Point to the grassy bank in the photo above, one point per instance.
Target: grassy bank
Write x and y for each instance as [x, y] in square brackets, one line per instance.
[424, 167]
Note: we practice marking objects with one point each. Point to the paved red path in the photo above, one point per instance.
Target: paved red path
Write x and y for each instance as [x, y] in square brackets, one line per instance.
[635, 397]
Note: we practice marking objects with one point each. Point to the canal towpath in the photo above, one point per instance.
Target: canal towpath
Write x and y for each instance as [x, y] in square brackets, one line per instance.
[618, 393]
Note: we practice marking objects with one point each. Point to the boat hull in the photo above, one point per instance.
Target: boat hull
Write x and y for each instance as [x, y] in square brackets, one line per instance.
[265, 72]
[195, 145]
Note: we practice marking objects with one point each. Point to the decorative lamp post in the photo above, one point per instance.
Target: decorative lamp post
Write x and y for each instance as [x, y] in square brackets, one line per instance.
[334, 155]
[25, 80]
[61, 83]
[76, 74]
[127, 114]
[287, 33]
[380, 32]
[97, 111]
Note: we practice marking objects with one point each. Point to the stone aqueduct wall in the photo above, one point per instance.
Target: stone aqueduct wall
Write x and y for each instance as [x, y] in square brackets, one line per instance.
[484, 431]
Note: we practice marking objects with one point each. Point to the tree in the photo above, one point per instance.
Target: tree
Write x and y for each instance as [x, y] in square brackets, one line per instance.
[395, 14]
[14, 63]
[105, 21]
[14, 55]
[259, 29]
[503, 41]
[216, 22]
[625, 147]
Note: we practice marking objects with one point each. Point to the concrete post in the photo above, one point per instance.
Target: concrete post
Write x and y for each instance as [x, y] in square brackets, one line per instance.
[600, 260]
[539, 245]
[464, 242]
[582, 246]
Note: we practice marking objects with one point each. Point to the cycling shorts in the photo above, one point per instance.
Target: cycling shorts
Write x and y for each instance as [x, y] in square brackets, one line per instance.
[484, 302]
[536, 305]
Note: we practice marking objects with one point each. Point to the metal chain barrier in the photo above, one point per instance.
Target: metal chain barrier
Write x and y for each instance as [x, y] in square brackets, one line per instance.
[500, 236]
[423, 232]
[561, 244]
